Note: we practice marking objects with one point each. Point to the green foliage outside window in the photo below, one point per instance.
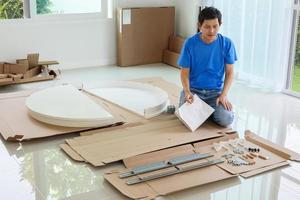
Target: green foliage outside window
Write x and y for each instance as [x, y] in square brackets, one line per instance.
[43, 6]
[11, 9]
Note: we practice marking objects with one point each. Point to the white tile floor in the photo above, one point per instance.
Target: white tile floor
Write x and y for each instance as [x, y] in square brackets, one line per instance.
[39, 170]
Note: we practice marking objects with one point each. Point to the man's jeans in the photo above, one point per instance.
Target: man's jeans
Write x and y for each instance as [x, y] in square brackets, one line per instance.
[221, 116]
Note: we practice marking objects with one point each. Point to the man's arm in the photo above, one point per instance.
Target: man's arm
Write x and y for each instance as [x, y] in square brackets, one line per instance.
[184, 75]
[227, 84]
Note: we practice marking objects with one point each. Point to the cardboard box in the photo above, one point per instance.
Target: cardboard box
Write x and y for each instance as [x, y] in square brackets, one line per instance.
[33, 60]
[23, 62]
[169, 184]
[176, 43]
[6, 68]
[171, 58]
[18, 68]
[143, 34]
[1, 68]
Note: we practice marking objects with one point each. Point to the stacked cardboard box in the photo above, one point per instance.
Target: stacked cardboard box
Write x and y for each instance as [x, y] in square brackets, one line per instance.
[172, 54]
[143, 34]
[25, 70]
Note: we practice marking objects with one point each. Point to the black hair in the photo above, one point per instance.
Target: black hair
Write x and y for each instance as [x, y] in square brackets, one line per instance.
[209, 13]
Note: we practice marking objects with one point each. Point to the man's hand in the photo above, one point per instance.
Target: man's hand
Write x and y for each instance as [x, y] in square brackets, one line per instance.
[189, 97]
[224, 101]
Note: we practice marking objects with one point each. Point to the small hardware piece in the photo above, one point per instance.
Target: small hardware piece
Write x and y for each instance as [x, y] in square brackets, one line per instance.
[238, 150]
[249, 156]
[263, 157]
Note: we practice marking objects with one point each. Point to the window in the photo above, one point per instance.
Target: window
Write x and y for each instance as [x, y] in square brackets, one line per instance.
[15, 9]
[293, 80]
[67, 6]
[11, 9]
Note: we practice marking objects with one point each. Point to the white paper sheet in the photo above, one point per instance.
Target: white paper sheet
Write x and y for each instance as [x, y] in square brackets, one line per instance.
[193, 115]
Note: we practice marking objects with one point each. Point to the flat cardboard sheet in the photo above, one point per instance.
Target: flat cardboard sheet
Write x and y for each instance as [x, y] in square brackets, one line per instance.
[163, 186]
[12, 106]
[110, 146]
[17, 125]
[166, 185]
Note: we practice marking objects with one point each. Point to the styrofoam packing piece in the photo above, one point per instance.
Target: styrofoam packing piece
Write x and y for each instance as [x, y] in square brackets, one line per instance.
[143, 99]
[66, 106]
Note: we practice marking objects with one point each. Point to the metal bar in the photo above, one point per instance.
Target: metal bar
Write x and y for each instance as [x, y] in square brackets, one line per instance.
[173, 172]
[164, 164]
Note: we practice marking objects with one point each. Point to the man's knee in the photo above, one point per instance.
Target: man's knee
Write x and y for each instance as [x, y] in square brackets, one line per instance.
[223, 117]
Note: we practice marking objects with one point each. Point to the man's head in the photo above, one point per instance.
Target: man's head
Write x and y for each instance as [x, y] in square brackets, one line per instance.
[209, 22]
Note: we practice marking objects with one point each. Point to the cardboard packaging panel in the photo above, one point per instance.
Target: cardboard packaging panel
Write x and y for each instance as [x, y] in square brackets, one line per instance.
[1, 68]
[18, 68]
[13, 110]
[167, 185]
[143, 34]
[171, 58]
[3, 76]
[6, 68]
[23, 62]
[5, 81]
[12, 106]
[33, 60]
[118, 144]
[275, 159]
[176, 43]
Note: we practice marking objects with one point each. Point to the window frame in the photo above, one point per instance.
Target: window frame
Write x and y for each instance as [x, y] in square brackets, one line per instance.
[293, 44]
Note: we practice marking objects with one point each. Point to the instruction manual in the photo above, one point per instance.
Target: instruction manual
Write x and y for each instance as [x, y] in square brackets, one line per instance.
[194, 114]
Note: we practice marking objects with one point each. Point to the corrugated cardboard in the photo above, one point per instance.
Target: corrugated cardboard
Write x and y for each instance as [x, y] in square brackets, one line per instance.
[15, 77]
[23, 62]
[110, 146]
[166, 185]
[276, 159]
[3, 76]
[163, 186]
[176, 43]
[5, 81]
[143, 34]
[33, 60]
[6, 68]
[1, 68]
[32, 72]
[275, 148]
[13, 109]
[18, 68]
[171, 58]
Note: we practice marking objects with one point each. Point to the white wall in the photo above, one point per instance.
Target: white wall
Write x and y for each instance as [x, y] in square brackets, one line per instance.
[187, 15]
[75, 41]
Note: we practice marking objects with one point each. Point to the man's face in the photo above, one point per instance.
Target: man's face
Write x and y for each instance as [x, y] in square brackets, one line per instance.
[209, 29]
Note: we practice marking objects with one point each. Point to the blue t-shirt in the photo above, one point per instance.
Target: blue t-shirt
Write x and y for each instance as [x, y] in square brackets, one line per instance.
[207, 61]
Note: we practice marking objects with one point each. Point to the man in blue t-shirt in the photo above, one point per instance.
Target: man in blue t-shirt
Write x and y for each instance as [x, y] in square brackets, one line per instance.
[207, 60]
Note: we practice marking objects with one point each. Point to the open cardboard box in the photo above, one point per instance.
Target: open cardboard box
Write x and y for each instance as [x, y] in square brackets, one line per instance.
[158, 187]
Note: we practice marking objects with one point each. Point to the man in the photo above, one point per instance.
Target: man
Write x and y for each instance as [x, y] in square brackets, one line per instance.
[207, 60]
